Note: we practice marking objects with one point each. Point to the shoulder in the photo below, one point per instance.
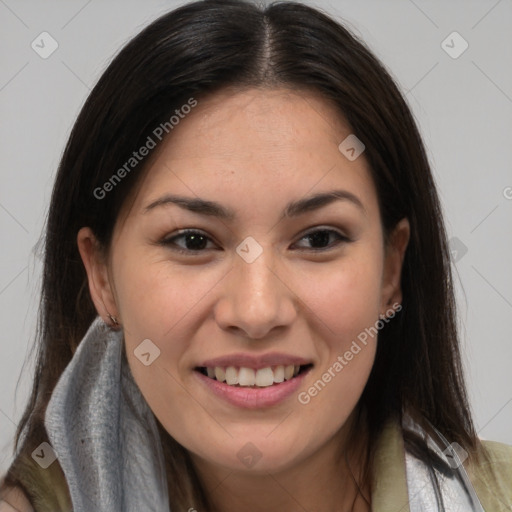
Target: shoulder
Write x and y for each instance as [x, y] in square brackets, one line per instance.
[491, 475]
[31, 488]
[497, 457]
[498, 451]
[12, 499]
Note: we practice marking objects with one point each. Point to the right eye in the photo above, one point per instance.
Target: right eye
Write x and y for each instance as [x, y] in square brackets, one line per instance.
[194, 241]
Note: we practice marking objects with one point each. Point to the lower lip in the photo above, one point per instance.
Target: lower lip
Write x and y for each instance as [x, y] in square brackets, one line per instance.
[254, 398]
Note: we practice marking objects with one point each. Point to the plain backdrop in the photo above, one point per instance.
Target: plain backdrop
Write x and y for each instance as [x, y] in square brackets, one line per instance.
[462, 103]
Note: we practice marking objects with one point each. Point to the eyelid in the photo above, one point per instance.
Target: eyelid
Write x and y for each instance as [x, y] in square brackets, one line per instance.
[322, 227]
[343, 238]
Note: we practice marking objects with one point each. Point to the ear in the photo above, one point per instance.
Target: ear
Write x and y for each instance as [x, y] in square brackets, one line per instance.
[97, 273]
[394, 258]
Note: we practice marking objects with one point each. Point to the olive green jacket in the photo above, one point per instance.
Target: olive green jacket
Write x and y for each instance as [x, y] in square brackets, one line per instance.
[492, 481]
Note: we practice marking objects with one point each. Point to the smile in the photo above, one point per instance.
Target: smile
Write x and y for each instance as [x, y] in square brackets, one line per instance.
[251, 378]
[240, 387]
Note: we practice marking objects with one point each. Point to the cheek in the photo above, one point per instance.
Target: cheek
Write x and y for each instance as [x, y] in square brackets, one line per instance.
[159, 306]
[345, 301]
[157, 297]
[344, 296]
[347, 351]
[161, 302]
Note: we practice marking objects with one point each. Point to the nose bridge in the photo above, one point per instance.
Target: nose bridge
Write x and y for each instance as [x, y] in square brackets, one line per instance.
[256, 300]
[255, 281]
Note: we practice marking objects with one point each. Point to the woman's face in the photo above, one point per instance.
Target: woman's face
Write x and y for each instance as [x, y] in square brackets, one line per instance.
[266, 288]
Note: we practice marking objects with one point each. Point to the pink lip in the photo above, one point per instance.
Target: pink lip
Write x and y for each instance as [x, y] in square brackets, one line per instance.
[255, 362]
[253, 398]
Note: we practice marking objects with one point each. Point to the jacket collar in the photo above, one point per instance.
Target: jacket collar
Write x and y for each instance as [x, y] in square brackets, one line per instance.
[389, 485]
[405, 482]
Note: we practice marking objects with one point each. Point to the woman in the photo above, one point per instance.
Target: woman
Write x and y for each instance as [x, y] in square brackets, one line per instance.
[244, 207]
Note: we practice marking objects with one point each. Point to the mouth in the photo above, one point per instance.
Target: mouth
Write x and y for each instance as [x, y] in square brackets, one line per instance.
[253, 388]
[243, 377]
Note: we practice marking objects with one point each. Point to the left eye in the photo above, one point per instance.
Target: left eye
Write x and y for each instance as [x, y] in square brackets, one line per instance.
[321, 236]
[196, 241]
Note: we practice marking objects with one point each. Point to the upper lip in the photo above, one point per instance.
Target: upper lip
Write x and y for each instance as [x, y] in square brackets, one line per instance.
[255, 361]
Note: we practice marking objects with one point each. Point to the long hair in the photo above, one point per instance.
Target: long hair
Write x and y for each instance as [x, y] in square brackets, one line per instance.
[194, 51]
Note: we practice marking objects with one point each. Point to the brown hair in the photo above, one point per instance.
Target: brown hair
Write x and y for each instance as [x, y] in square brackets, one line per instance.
[196, 50]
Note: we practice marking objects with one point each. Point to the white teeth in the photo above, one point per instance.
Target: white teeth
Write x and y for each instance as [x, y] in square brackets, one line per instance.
[249, 377]
[231, 375]
[246, 377]
[279, 374]
[264, 377]
[220, 374]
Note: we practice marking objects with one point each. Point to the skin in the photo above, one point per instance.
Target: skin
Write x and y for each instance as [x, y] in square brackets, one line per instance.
[253, 151]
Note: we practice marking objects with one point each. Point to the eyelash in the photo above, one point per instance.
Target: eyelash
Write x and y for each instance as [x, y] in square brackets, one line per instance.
[167, 242]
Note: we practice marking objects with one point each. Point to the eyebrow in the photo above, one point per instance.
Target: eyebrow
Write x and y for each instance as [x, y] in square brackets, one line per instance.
[292, 209]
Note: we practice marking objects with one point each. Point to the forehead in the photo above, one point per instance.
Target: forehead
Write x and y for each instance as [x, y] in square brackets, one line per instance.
[248, 145]
[255, 120]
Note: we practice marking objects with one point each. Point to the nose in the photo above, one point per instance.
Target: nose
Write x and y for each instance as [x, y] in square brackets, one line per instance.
[256, 299]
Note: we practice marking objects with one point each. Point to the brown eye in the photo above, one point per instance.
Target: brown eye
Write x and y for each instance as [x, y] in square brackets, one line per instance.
[194, 241]
[321, 237]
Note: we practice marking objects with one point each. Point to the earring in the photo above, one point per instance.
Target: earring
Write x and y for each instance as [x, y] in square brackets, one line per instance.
[114, 321]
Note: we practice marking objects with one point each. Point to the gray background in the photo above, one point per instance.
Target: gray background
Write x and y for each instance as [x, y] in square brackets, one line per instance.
[463, 106]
